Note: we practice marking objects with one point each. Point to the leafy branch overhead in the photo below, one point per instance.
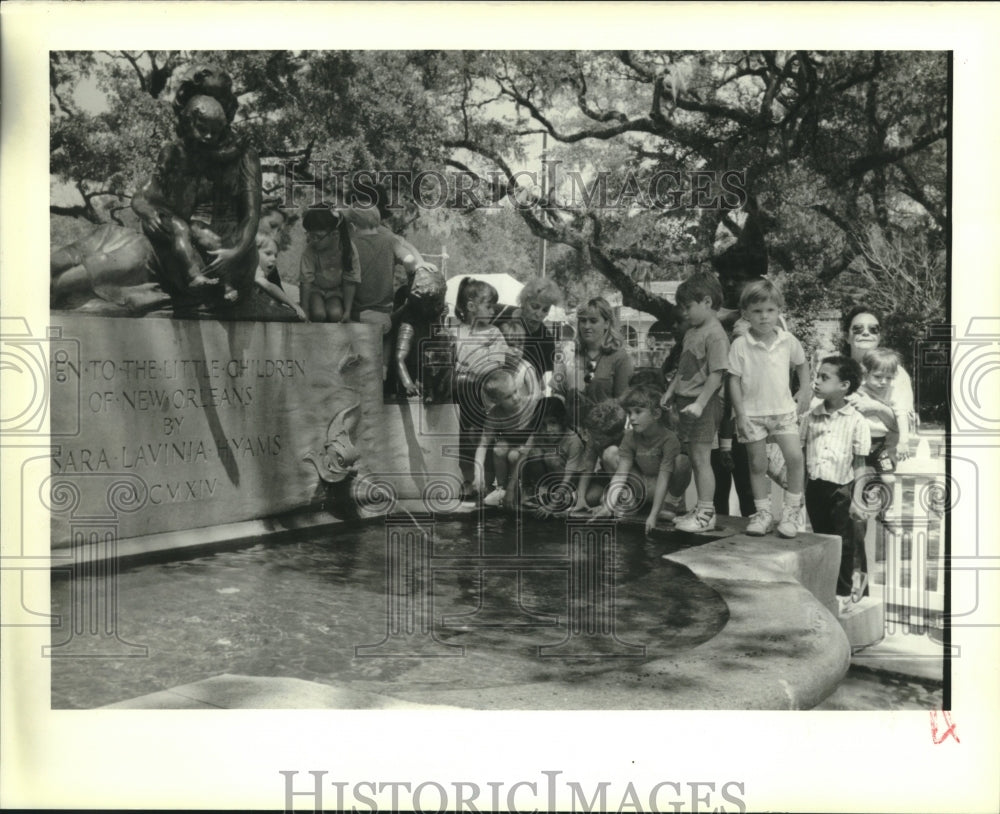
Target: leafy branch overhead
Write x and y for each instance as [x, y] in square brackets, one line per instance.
[827, 145]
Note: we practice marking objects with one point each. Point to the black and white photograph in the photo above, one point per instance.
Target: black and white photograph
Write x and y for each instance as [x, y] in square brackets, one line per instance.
[393, 370]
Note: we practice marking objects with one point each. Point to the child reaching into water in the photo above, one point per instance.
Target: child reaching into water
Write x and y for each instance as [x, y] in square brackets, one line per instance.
[681, 478]
[888, 423]
[760, 362]
[603, 428]
[509, 429]
[557, 450]
[267, 277]
[647, 453]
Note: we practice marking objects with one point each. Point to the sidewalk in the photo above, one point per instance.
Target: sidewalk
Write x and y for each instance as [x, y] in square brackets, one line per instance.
[903, 653]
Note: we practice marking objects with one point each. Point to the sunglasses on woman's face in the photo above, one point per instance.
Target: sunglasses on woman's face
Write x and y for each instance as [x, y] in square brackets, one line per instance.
[591, 368]
[857, 330]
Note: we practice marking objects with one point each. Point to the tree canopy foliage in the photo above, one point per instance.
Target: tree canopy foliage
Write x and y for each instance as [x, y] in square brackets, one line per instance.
[835, 154]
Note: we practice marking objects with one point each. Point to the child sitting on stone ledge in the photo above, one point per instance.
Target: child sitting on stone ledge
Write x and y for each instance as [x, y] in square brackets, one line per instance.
[267, 278]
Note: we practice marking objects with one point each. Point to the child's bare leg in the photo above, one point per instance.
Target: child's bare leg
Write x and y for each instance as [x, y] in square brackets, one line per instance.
[501, 466]
[515, 468]
[757, 456]
[595, 494]
[316, 307]
[553, 463]
[791, 449]
[334, 309]
[762, 521]
[609, 459]
[532, 468]
[679, 481]
[792, 452]
[704, 477]
[703, 516]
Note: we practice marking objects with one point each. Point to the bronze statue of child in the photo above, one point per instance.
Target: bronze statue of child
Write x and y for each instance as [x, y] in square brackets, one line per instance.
[181, 183]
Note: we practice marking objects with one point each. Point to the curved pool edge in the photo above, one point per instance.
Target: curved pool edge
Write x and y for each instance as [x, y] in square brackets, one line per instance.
[788, 646]
[781, 649]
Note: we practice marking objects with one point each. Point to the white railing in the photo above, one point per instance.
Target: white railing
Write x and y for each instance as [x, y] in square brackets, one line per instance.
[910, 544]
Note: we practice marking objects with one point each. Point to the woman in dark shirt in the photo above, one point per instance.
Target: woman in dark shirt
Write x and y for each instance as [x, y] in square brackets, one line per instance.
[523, 326]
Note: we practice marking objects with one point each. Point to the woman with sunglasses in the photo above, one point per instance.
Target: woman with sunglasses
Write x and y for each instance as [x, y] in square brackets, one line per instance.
[601, 366]
[862, 333]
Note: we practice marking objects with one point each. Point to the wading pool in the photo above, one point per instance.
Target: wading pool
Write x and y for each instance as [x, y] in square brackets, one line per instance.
[460, 612]
[318, 609]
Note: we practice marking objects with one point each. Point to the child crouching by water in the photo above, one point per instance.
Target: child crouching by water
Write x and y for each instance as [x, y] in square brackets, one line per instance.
[509, 428]
[645, 457]
[603, 427]
[556, 455]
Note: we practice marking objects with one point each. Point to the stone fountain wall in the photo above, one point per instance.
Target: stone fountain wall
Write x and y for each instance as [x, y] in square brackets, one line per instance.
[162, 425]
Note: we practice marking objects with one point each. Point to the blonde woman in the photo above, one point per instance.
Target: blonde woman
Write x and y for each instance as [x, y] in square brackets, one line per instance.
[601, 366]
[524, 326]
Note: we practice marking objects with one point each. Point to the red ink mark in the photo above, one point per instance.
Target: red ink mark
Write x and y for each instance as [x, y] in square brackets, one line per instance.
[937, 735]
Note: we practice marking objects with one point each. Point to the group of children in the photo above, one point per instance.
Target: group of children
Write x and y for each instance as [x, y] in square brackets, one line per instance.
[347, 270]
[624, 454]
[832, 435]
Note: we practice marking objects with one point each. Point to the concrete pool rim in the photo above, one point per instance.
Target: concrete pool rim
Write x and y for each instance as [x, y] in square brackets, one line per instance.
[782, 647]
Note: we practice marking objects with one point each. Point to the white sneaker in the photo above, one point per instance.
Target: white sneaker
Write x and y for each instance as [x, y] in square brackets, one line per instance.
[760, 523]
[495, 498]
[788, 526]
[698, 520]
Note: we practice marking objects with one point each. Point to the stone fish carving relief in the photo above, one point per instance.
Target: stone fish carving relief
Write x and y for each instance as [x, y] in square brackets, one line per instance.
[338, 459]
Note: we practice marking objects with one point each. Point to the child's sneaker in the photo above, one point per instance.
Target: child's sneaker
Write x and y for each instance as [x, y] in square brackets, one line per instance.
[495, 498]
[788, 526]
[760, 523]
[698, 520]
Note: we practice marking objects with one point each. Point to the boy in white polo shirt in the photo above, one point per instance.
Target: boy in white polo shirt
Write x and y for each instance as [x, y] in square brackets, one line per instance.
[760, 362]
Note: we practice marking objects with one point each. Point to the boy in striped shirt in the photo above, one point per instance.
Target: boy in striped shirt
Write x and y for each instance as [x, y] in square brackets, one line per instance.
[836, 439]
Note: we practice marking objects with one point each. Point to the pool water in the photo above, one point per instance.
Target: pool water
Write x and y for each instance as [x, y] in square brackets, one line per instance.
[300, 609]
